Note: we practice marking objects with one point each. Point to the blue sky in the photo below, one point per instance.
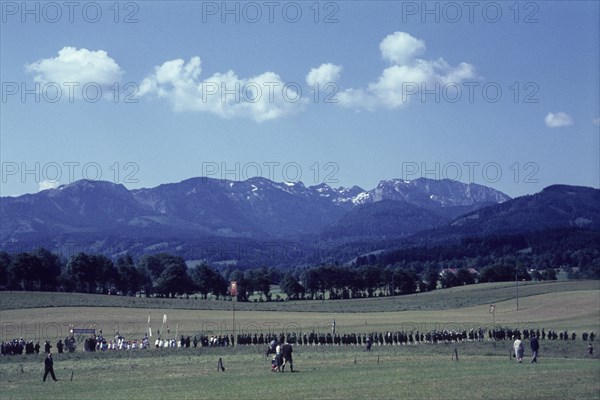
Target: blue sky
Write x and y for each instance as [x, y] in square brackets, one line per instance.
[416, 93]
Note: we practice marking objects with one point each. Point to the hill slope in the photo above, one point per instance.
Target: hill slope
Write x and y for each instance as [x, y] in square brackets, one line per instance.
[557, 206]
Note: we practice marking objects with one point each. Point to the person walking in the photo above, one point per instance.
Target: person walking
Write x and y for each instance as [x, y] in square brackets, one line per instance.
[286, 352]
[535, 346]
[278, 357]
[369, 343]
[49, 367]
[519, 350]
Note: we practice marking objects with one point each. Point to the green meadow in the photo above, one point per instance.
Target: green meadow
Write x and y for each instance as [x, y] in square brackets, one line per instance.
[484, 370]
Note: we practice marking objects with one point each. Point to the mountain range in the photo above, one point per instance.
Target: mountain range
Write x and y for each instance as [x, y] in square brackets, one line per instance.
[256, 208]
[105, 217]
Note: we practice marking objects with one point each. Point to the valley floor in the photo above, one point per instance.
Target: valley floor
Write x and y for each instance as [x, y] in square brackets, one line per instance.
[483, 371]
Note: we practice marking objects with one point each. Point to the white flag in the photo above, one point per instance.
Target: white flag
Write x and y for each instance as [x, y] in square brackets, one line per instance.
[148, 318]
[165, 319]
[149, 332]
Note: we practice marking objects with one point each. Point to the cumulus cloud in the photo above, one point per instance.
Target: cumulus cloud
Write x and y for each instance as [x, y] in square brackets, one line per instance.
[47, 184]
[558, 120]
[325, 73]
[406, 77]
[401, 48]
[77, 65]
[261, 98]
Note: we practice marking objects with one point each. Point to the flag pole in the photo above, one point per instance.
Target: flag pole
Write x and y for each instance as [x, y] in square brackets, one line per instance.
[517, 284]
[233, 291]
[233, 312]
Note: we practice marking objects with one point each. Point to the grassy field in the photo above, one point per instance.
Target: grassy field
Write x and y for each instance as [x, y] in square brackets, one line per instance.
[458, 297]
[418, 371]
[423, 372]
[564, 310]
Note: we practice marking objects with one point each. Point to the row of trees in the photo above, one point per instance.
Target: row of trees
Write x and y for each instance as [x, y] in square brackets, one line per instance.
[160, 274]
[168, 275]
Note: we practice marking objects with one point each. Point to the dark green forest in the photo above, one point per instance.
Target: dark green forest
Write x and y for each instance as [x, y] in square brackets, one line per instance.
[495, 258]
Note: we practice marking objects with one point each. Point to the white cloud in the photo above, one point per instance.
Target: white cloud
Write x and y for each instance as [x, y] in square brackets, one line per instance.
[596, 121]
[558, 120]
[325, 73]
[401, 48]
[46, 184]
[406, 77]
[81, 66]
[262, 97]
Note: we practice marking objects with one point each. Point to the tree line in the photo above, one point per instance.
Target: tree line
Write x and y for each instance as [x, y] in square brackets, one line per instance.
[160, 274]
[576, 251]
[167, 275]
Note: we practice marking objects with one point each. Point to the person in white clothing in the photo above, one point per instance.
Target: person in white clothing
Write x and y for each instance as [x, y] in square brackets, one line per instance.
[519, 349]
[278, 357]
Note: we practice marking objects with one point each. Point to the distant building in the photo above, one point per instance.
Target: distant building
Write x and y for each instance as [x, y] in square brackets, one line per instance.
[445, 271]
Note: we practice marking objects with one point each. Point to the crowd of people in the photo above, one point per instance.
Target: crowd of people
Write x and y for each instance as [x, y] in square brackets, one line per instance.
[405, 338]
[20, 346]
[100, 343]
[389, 338]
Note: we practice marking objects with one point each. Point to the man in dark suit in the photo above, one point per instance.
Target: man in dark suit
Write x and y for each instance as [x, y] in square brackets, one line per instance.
[287, 356]
[49, 367]
[535, 346]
